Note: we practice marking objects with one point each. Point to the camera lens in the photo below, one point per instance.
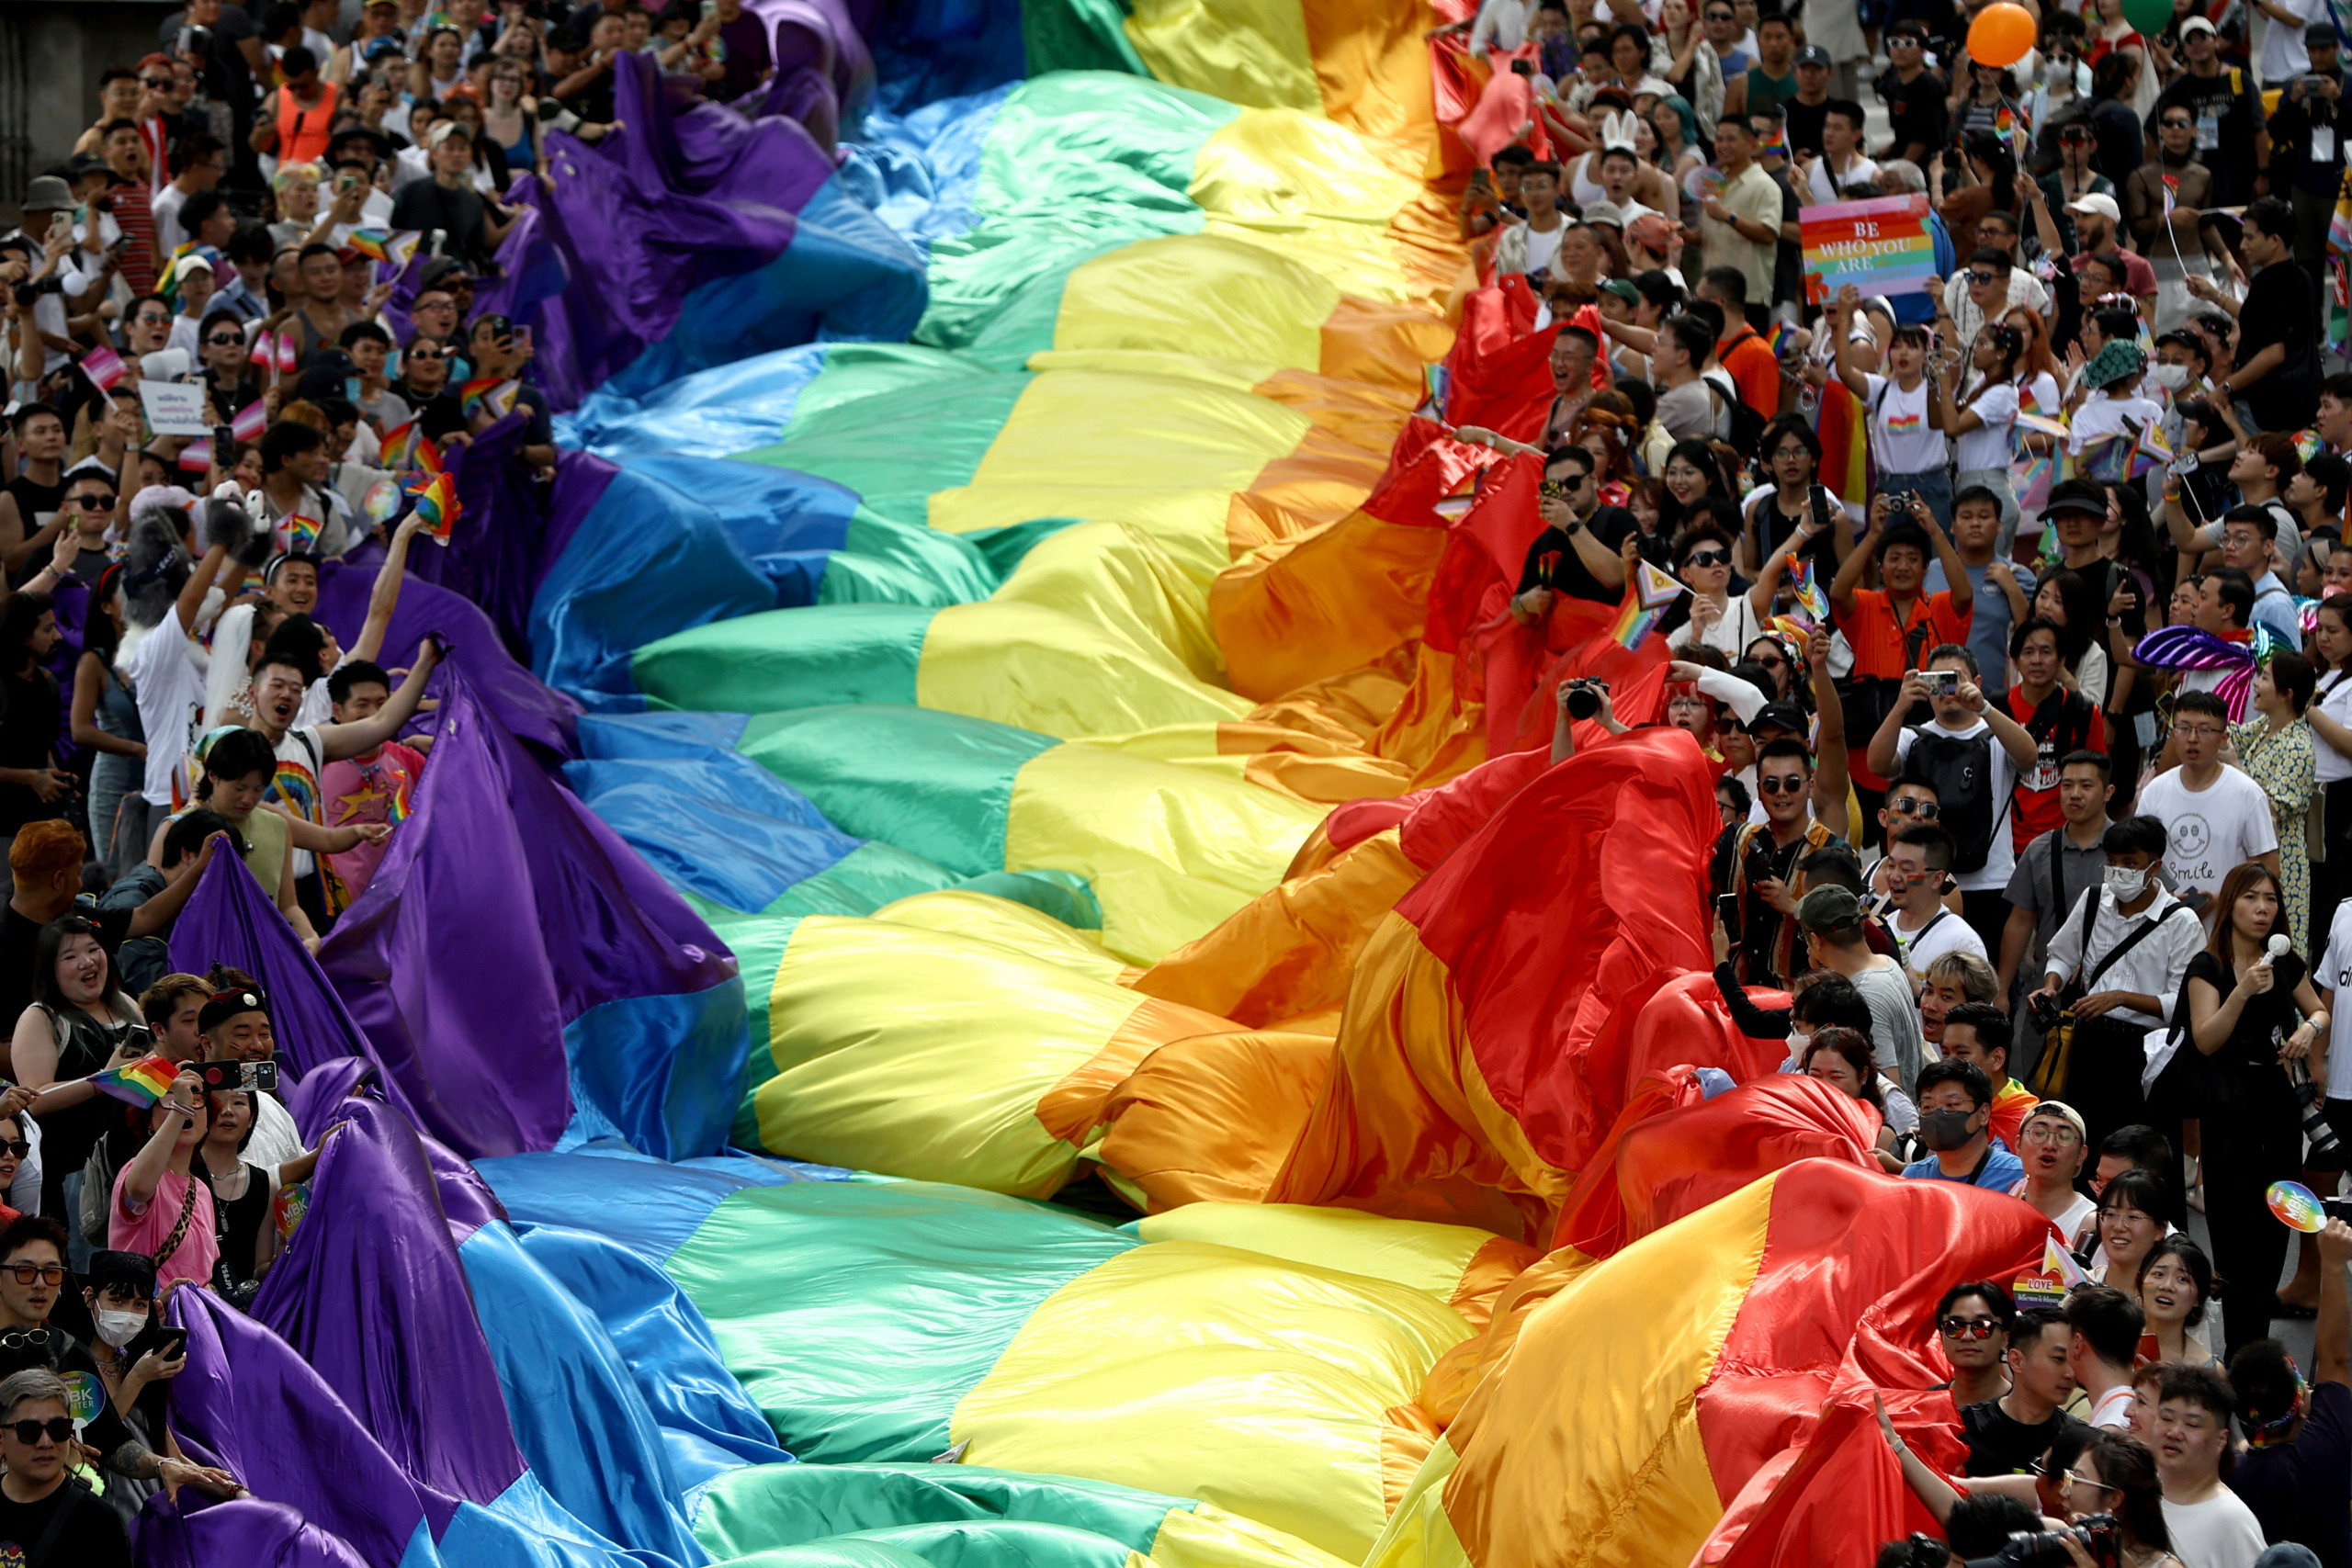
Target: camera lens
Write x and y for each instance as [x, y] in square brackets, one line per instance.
[1583, 702]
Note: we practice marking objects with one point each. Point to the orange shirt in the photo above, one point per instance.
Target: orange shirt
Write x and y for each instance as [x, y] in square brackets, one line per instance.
[1754, 370]
[302, 133]
[1879, 637]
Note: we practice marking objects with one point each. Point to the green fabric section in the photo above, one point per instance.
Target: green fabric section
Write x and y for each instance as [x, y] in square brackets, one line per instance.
[842, 1551]
[1077, 164]
[856, 1316]
[1078, 35]
[885, 561]
[785, 1504]
[1006, 548]
[1061, 894]
[758, 942]
[895, 426]
[779, 659]
[936, 784]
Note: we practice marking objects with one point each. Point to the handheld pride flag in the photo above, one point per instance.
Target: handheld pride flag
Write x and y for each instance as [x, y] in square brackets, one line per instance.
[407, 449]
[295, 533]
[104, 367]
[289, 358]
[2058, 1274]
[1805, 583]
[1646, 597]
[489, 392]
[437, 502]
[250, 421]
[395, 246]
[141, 1083]
[197, 455]
[264, 352]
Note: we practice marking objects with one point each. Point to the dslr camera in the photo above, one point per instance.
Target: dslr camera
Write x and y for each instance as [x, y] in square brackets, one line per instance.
[1583, 700]
[2097, 1534]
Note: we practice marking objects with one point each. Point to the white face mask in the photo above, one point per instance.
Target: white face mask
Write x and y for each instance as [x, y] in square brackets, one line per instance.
[2171, 378]
[2124, 883]
[119, 1328]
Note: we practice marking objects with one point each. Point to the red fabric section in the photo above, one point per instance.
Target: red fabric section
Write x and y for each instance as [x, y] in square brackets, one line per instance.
[1500, 373]
[1562, 916]
[1842, 1308]
[1505, 105]
[1673, 1152]
[1484, 553]
[1442, 819]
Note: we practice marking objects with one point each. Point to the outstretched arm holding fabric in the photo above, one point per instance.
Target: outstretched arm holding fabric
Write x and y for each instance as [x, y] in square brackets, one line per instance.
[1831, 765]
[341, 740]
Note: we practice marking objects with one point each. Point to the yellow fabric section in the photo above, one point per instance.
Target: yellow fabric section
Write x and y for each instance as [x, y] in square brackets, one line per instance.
[1187, 519]
[1056, 671]
[1091, 427]
[1254, 1384]
[1419, 1534]
[1311, 192]
[1425, 1257]
[1245, 51]
[1232, 375]
[1595, 1402]
[1207, 1537]
[1169, 850]
[924, 1054]
[1123, 580]
[1151, 296]
[982, 917]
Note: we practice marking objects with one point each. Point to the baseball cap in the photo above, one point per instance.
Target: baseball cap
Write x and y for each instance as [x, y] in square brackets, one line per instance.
[47, 193]
[2060, 1108]
[2200, 25]
[2076, 495]
[1607, 212]
[1829, 909]
[1780, 715]
[2319, 32]
[1623, 289]
[1813, 54]
[193, 262]
[2102, 204]
[445, 130]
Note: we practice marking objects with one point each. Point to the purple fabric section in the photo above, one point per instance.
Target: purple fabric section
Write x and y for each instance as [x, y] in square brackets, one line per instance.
[828, 36]
[503, 912]
[525, 704]
[249, 1402]
[371, 1294]
[243, 1531]
[316, 1100]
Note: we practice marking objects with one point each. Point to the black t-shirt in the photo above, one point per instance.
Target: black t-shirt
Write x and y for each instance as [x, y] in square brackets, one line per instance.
[2249, 1049]
[2279, 308]
[1804, 124]
[1552, 561]
[1998, 1445]
[34, 498]
[2300, 1490]
[18, 935]
[1915, 110]
[2117, 141]
[30, 726]
[2292, 130]
[2228, 111]
[460, 213]
[89, 1536]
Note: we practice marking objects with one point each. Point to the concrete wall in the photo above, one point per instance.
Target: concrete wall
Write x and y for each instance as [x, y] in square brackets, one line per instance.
[51, 55]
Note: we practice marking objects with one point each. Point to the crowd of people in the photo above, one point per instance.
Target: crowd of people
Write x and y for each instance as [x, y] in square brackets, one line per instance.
[288, 207]
[2013, 623]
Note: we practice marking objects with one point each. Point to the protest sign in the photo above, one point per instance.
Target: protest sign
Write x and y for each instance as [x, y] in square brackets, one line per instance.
[173, 409]
[1881, 247]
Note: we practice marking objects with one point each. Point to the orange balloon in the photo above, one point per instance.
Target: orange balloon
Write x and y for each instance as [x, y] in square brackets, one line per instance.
[2000, 35]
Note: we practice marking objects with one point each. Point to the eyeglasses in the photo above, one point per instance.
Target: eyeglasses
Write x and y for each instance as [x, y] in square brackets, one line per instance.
[45, 1273]
[1957, 1327]
[1981, 278]
[157, 83]
[1709, 557]
[2210, 732]
[227, 340]
[2079, 1479]
[1793, 783]
[57, 1428]
[2057, 1136]
[94, 503]
[1791, 453]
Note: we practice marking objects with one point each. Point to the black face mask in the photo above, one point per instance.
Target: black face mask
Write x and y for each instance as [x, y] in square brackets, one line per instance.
[1945, 1130]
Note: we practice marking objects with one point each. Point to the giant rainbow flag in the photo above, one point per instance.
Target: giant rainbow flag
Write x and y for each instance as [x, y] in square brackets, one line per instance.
[990, 967]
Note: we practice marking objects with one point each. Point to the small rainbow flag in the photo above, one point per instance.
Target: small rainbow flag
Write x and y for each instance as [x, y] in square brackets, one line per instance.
[104, 367]
[141, 1083]
[2040, 423]
[489, 393]
[395, 246]
[2034, 472]
[1785, 336]
[2058, 1274]
[1805, 588]
[2150, 452]
[1462, 498]
[1436, 382]
[407, 449]
[295, 533]
[437, 502]
[1646, 597]
[197, 455]
[250, 421]
[1776, 145]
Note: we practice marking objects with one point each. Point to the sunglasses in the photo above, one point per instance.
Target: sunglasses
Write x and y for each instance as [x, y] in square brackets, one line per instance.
[45, 1274]
[1981, 278]
[1968, 1328]
[2079, 138]
[1792, 784]
[227, 340]
[57, 1428]
[2178, 124]
[1912, 806]
[431, 354]
[34, 1339]
[158, 83]
[94, 503]
[16, 1147]
[1709, 557]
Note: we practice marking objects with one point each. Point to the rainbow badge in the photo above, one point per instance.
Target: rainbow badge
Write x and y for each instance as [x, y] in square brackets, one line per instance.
[295, 533]
[437, 502]
[1804, 589]
[2058, 1274]
[104, 367]
[147, 1080]
[491, 393]
[2296, 1206]
[1649, 594]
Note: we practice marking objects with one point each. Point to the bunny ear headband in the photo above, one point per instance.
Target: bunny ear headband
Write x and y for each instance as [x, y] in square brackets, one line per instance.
[1617, 129]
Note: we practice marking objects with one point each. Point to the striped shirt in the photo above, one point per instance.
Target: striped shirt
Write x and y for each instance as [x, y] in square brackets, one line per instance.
[137, 219]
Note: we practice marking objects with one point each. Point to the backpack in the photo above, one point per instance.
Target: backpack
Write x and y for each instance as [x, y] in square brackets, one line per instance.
[1747, 423]
[1962, 770]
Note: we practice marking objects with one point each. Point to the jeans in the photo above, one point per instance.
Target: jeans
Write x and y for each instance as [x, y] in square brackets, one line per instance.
[117, 812]
[2287, 1555]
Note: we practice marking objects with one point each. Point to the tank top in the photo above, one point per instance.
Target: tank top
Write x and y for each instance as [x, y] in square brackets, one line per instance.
[1767, 92]
[302, 133]
[67, 1136]
[1584, 192]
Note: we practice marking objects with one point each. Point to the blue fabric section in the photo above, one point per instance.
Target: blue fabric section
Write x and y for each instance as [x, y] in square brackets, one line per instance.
[648, 1206]
[920, 171]
[681, 1097]
[524, 1527]
[845, 276]
[708, 1424]
[578, 1414]
[673, 543]
[930, 50]
[725, 408]
[730, 832]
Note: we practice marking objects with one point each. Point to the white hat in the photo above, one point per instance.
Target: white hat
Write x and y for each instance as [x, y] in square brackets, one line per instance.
[193, 262]
[1607, 212]
[2102, 204]
[2197, 25]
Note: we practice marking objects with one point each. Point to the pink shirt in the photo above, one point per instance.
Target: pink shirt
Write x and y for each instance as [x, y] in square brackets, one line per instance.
[147, 1230]
[377, 789]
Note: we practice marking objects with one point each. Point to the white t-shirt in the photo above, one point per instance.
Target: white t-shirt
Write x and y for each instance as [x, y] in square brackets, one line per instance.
[2044, 388]
[2113, 1411]
[2102, 416]
[169, 687]
[275, 1141]
[1988, 445]
[2001, 857]
[1900, 438]
[2283, 56]
[2335, 974]
[2220, 1532]
[165, 205]
[2211, 832]
[2070, 1224]
[297, 784]
[2334, 699]
[1818, 186]
[1543, 248]
[1945, 932]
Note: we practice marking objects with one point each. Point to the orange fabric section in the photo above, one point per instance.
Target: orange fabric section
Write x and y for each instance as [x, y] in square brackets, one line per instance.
[1289, 950]
[1407, 1435]
[1304, 608]
[1374, 70]
[1327, 781]
[1489, 1273]
[1209, 1120]
[1070, 1110]
[1456, 1372]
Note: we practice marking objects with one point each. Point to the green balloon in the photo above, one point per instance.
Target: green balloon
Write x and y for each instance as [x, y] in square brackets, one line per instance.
[2148, 16]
